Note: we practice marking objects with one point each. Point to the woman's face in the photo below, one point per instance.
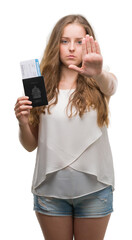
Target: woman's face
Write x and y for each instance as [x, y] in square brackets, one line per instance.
[71, 44]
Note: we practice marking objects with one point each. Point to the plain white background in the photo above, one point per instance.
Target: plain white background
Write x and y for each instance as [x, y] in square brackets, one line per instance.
[25, 28]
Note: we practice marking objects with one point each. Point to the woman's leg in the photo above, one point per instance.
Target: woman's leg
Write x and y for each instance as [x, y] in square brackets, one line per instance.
[56, 227]
[90, 228]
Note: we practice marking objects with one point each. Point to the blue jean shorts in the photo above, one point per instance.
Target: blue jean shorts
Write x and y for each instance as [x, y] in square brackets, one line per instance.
[97, 204]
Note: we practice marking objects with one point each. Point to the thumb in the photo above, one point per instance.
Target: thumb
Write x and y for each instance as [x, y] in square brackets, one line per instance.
[75, 68]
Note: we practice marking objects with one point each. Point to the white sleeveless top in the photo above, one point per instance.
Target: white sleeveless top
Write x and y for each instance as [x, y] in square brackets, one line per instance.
[74, 156]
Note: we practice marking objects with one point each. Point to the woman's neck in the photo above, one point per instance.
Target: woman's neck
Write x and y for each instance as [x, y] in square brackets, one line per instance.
[68, 78]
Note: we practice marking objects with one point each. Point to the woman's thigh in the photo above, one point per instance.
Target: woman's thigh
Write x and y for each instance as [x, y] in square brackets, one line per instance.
[56, 227]
[92, 213]
[90, 228]
[55, 217]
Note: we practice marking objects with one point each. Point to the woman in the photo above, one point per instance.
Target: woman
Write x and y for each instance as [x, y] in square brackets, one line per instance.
[73, 179]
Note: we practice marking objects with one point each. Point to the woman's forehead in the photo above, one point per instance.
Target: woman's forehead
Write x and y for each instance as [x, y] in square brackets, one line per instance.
[75, 30]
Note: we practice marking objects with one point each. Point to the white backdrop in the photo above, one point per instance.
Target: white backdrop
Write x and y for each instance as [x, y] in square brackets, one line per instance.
[25, 28]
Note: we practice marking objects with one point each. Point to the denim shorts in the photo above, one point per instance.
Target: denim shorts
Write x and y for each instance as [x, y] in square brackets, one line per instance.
[97, 204]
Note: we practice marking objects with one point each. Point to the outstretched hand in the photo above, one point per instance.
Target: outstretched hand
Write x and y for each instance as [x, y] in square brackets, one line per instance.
[92, 60]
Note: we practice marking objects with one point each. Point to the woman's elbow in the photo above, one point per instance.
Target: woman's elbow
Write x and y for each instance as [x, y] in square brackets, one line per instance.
[113, 87]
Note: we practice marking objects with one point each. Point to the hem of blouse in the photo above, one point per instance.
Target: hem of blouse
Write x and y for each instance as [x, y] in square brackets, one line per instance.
[64, 197]
[98, 179]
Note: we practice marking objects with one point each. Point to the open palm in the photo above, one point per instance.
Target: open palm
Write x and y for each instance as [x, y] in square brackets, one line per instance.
[92, 60]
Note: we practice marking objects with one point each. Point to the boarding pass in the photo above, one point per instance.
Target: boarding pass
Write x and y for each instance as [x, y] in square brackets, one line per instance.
[30, 68]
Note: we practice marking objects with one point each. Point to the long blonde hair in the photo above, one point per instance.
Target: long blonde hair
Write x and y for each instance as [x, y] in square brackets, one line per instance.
[87, 93]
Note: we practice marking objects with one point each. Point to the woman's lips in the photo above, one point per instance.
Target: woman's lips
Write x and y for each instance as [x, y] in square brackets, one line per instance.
[71, 56]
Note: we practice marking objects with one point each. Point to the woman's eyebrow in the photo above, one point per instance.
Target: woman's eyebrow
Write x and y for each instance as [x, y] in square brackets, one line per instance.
[75, 38]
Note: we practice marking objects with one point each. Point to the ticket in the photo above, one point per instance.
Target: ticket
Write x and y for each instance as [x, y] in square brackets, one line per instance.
[30, 68]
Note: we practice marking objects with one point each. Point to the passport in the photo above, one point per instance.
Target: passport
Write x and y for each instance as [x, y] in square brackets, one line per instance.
[33, 82]
[34, 88]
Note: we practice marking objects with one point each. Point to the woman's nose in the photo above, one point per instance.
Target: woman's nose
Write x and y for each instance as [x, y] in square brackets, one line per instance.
[72, 46]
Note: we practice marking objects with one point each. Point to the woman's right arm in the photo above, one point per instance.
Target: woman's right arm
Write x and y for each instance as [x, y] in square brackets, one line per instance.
[28, 135]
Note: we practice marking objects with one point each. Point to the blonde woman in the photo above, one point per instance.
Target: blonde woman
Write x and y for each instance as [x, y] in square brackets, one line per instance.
[73, 180]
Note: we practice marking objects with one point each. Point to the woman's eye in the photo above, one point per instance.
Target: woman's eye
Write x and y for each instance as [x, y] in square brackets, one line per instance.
[64, 41]
[79, 42]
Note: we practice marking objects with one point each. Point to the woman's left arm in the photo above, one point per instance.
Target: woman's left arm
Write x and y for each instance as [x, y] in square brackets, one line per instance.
[107, 82]
[92, 62]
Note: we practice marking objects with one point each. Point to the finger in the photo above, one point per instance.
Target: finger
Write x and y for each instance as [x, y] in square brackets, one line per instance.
[93, 48]
[22, 108]
[22, 98]
[84, 50]
[24, 113]
[75, 68]
[97, 47]
[24, 102]
[88, 44]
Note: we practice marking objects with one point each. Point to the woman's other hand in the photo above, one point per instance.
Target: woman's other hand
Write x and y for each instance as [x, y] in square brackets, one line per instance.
[22, 109]
[92, 59]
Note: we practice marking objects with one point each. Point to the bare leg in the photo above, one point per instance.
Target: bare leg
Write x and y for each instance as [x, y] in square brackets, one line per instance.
[90, 228]
[56, 227]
